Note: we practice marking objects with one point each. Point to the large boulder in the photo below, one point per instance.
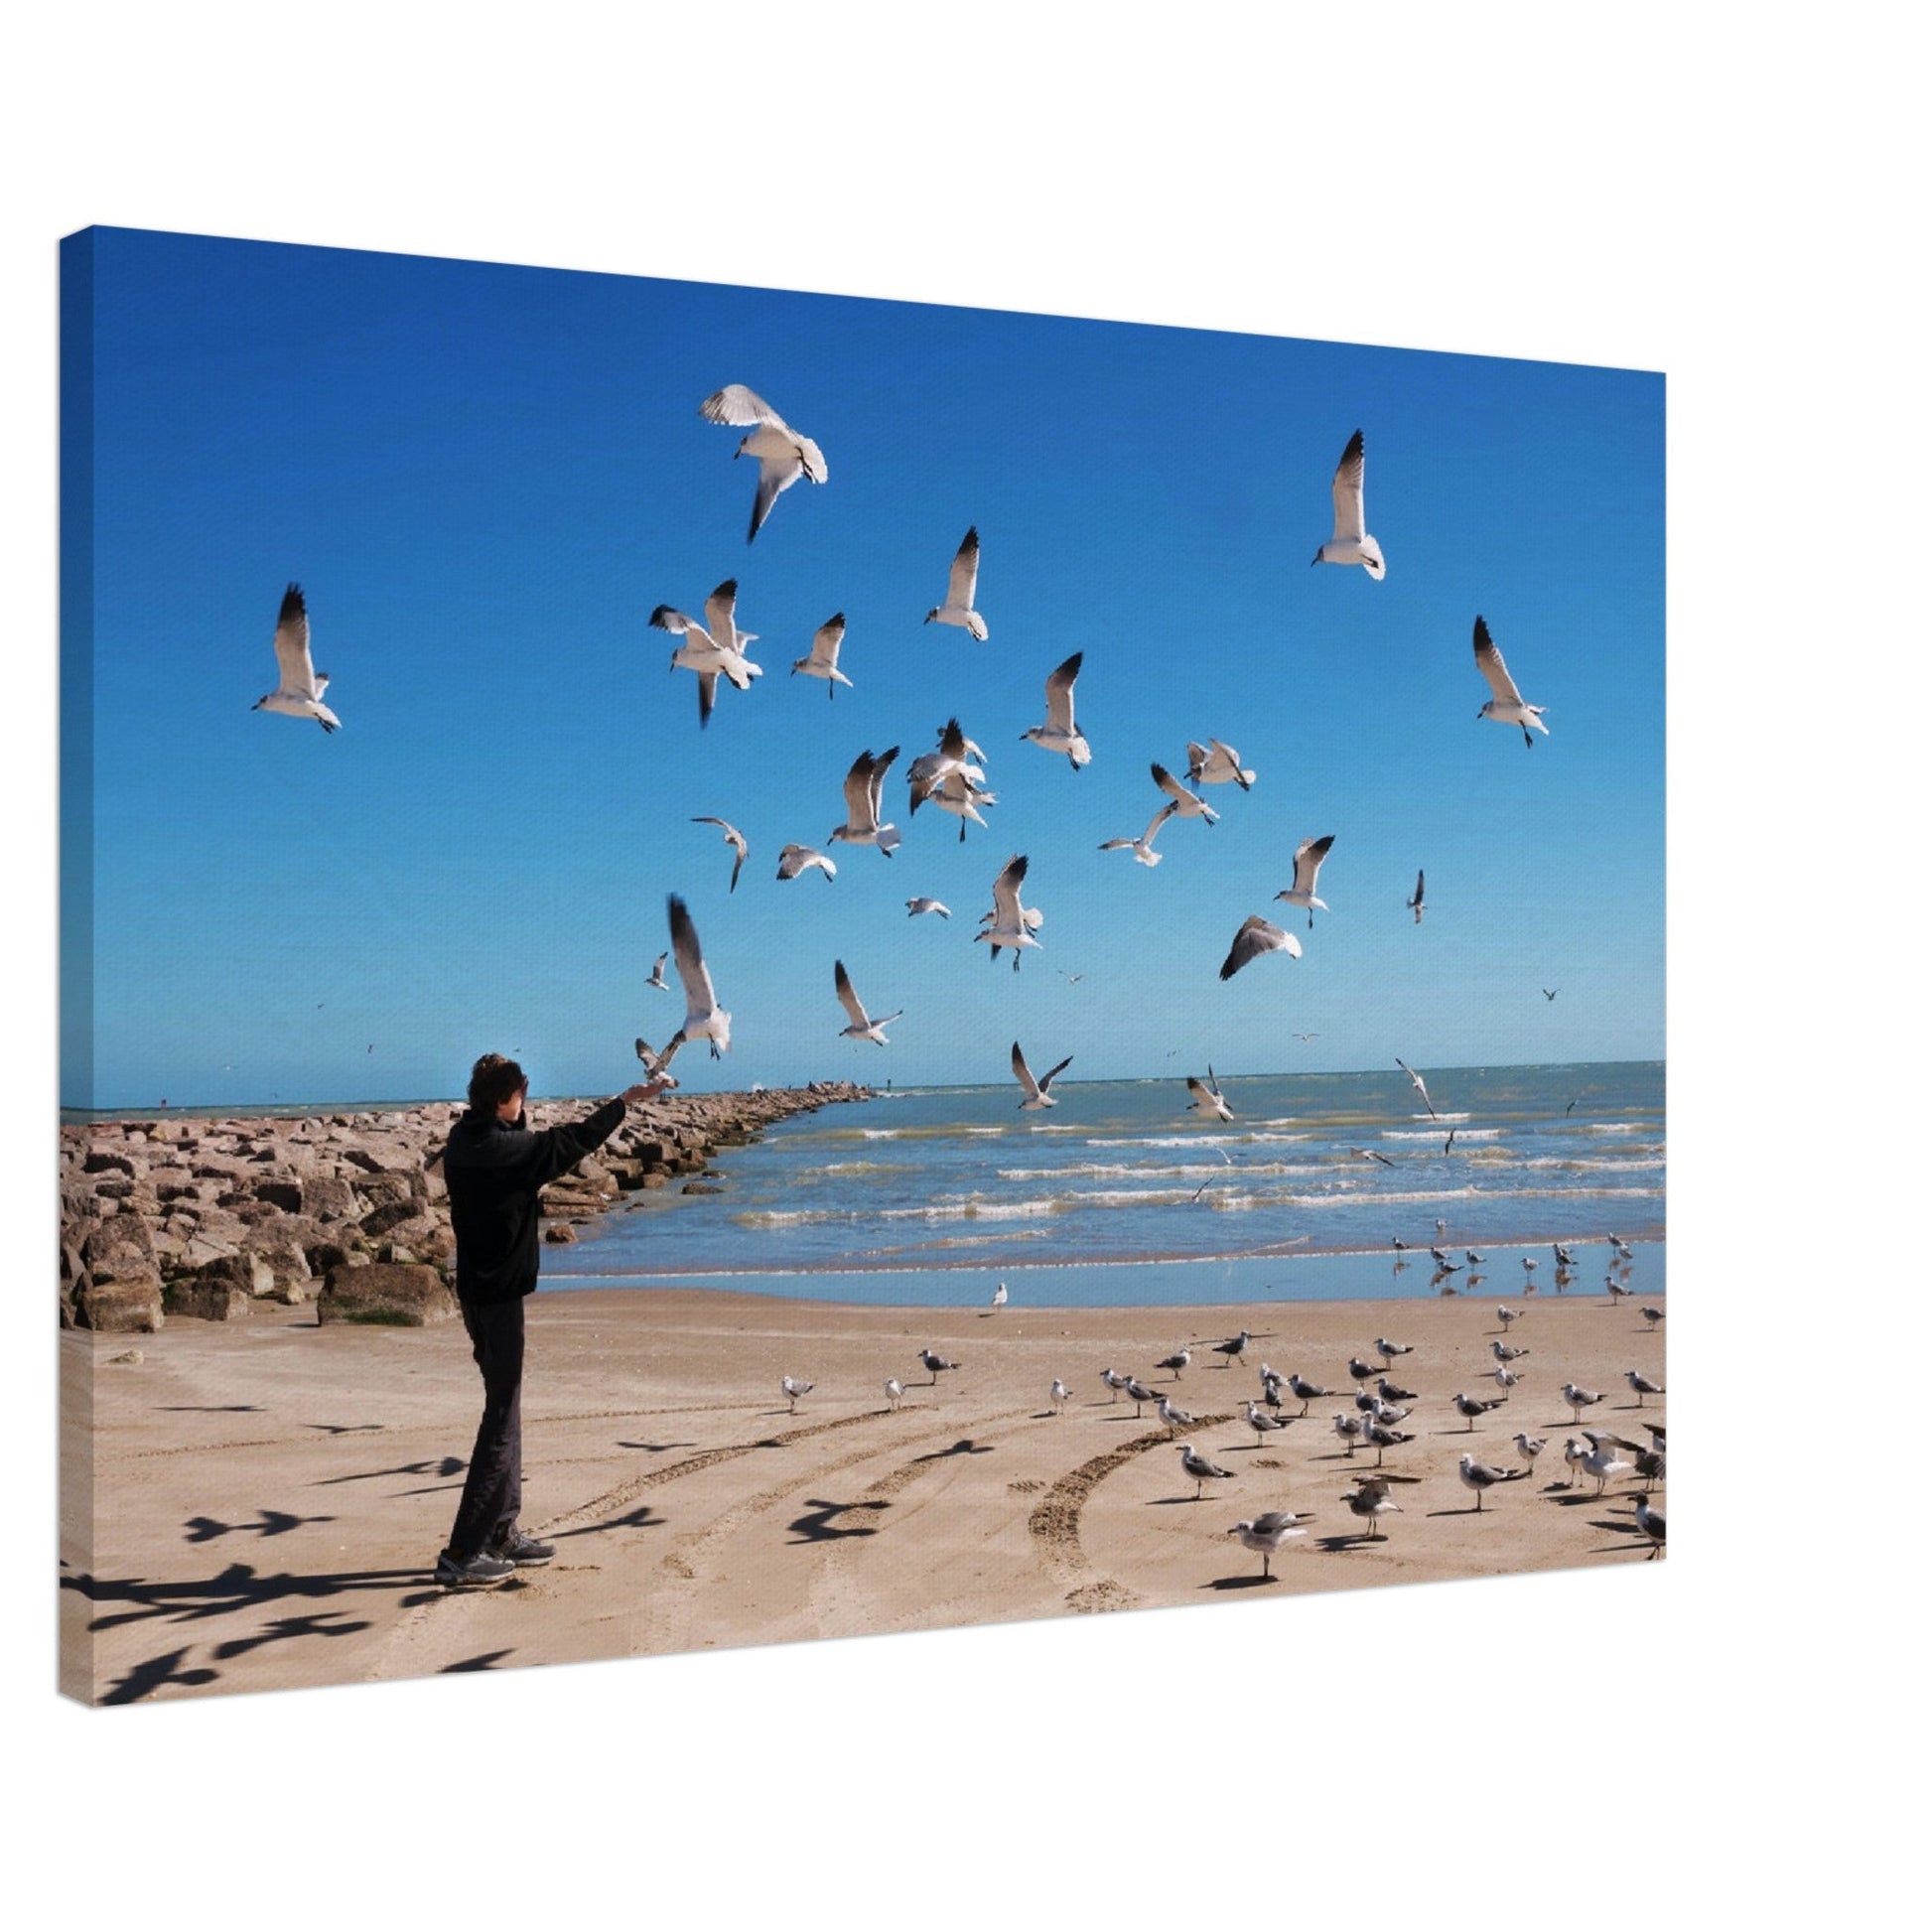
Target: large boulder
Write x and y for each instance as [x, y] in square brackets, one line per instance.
[205, 1301]
[329, 1197]
[119, 1306]
[120, 1249]
[398, 1295]
[248, 1273]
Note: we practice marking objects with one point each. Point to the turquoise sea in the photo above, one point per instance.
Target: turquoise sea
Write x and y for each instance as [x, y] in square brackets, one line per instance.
[1120, 1194]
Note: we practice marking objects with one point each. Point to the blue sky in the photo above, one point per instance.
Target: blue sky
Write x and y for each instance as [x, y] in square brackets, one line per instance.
[485, 477]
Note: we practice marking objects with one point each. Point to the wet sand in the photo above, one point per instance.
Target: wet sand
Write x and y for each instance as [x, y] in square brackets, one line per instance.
[269, 1496]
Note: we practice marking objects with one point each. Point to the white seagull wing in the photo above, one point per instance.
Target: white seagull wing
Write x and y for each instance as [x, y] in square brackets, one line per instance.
[963, 579]
[737, 406]
[1489, 661]
[698, 994]
[1350, 526]
[297, 667]
[848, 999]
[1060, 696]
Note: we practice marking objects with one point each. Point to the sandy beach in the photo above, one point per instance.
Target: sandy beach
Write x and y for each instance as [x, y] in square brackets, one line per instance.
[270, 1495]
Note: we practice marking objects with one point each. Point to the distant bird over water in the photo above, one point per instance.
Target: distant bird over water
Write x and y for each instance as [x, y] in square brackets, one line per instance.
[1207, 1098]
[299, 688]
[1351, 542]
[1415, 1080]
[862, 1026]
[1416, 905]
[783, 456]
[1035, 1090]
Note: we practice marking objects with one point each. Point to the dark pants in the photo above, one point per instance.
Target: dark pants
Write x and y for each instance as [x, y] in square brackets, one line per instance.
[492, 1491]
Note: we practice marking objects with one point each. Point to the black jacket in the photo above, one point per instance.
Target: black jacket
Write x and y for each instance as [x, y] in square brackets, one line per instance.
[493, 1171]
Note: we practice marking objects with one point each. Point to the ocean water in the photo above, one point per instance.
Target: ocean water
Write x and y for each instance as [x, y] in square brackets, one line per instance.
[1121, 1196]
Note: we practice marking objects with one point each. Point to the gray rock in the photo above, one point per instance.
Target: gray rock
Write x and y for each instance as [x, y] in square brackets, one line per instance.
[120, 1307]
[386, 1293]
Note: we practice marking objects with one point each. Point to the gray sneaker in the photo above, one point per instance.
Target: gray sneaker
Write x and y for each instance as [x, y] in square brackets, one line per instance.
[519, 1547]
[483, 1567]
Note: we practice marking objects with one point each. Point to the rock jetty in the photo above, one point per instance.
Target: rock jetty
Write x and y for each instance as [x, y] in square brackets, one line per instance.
[209, 1217]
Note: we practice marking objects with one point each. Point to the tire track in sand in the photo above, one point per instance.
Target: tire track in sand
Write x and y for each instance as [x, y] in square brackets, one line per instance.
[1055, 1520]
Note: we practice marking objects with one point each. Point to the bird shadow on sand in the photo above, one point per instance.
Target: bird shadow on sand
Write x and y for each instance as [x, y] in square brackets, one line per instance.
[1162, 1502]
[208, 1408]
[342, 1427]
[639, 1518]
[448, 1466]
[964, 1446]
[482, 1660]
[655, 1448]
[1349, 1540]
[820, 1525]
[1240, 1583]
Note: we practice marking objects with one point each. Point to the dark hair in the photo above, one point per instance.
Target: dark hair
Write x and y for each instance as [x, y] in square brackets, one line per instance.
[492, 1080]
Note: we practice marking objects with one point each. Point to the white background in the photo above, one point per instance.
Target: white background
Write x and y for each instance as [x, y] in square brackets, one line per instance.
[1632, 186]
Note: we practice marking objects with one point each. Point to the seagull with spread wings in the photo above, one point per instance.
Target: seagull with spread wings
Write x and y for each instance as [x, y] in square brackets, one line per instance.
[1216, 765]
[714, 649]
[658, 974]
[1035, 1090]
[703, 1018]
[1415, 1080]
[1208, 1100]
[1506, 707]
[1308, 856]
[863, 785]
[783, 456]
[822, 660]
[863, 1027]
[1351, 542]
[1143, 847]
[298, 690]
[796, 859]
[1185, 803]
[1416, 905]
[962, 582]
[1258, 936]
[1059, 733]
[733, 838]
[1010, 923]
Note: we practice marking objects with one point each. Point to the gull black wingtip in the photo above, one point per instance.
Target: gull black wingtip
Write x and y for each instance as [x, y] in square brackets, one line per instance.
[291, 605]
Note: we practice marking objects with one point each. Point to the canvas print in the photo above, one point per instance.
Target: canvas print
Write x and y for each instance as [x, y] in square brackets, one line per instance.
[741, 965]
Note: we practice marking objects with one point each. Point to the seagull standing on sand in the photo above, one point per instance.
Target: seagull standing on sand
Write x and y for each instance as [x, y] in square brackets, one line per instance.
[1305, 1391]
[1389, 1350]
[1474, 1406]
[1308, 856]
[783, 456]
[1507, 706]
[1207, 1099]
[714, 649]
[1177, 1362]
[1231, 1350]
[1035, 1090]
[1058, 1396]
[895, 1391]
[1416, 905]
[703, 1018]
[1060, 733]
[1506, 1315]
[1138, 1393]
[733, 838]
[863, 785]
[1000, 1296]
[862, 1026]
[1370, 1499]
[1580, 1399]
[1602, 1461]
[1480, 1476]
[1529, 1446]
[1261, 1422]
[1143, 847]
[1196, 1464]
[1115, 1383]
[658, 978]
[1351, 542]
[1651, 1317]
[822, 660]
[1349, 1429]
[1258, 936]
[1415, 1080]
[935, 1362]
[961, 584]
[1651, 1522]
[793, 1389]
[1216, 765]
[796, 859]
[1505, 1354]
[299, 687]
[1174, 1415]
[914, 906]
[1265, 1535]
[1642, 1385]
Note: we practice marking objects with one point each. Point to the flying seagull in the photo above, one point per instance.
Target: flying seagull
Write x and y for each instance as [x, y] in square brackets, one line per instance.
[1308, 856]
[1507, 706]
[914, 906]
[794, 859]
[1035, 1090]
[298, 690]
[1010, 923]
[1415, 904]
[1258, 936]
[1369, 1154]
[783, 456]
[1207, 1099]
[1143, 847]
[863, 785]
[1551, 992]
[1415, 1080]
[1184, 800]
[961, 582]
[714, 649]
[1265, 1535]
[862, 1028]
[657, 1065]
[1059, 733]
[1351, 542]
[733, 838]
[1217, 765]
[822, 660]
[658, 974]
[703, 1018]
